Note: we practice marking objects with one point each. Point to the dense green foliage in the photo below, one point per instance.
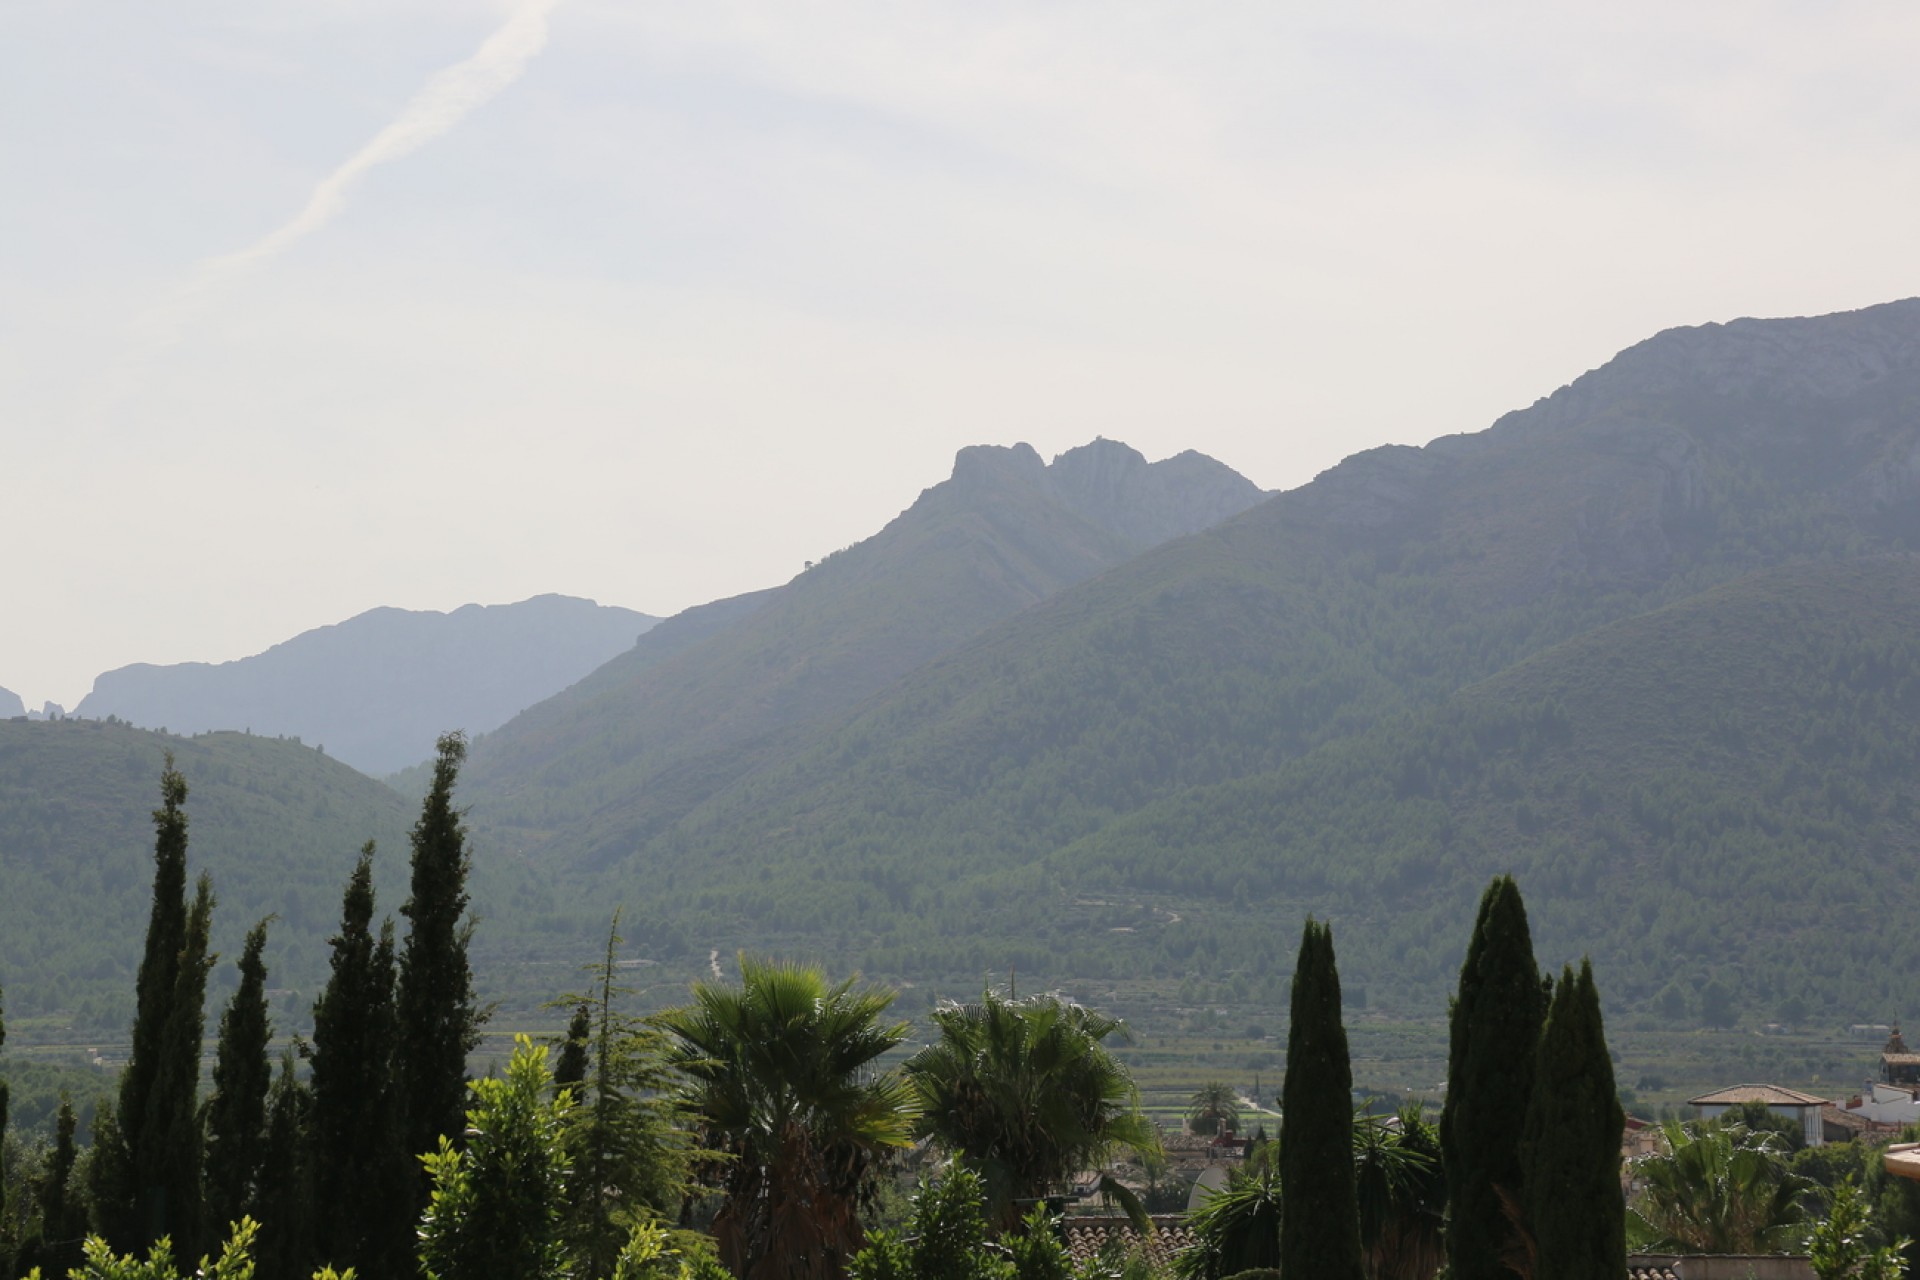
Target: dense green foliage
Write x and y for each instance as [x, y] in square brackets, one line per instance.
[1839, 1249]
[1570, 1198]
[1497, 1014]
[499, 1199]
[946, 1239]
[1320, 1229]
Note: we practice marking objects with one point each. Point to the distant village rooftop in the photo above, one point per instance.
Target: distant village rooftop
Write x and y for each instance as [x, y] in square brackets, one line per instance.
[1771, 1095]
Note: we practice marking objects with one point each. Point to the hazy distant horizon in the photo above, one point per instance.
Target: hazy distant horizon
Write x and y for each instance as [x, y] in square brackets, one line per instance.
[309, 309]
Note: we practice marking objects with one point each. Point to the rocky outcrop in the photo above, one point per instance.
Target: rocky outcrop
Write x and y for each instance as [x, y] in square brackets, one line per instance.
[10, 705]
[1112, 486]
[1149, 502]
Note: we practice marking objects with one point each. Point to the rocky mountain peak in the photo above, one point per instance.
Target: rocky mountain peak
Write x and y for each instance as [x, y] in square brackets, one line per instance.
[1111, 485]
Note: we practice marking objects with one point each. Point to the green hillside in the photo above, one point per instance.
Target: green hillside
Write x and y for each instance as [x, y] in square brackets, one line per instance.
[710, 697]
[1724, 790]
[1391, 581]
[277, 825]
[907, 831]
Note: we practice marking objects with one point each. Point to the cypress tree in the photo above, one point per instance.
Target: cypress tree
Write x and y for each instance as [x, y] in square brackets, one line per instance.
[61, 1228]
[359, 1161]
[169, 1155]
[1570, 1150]
[148, 1174]
[120, 1199]
[1320, 1228]
[109, 1177]
[237, 1112]
[570, 1068]
[285, 1196]
[439, 1022]
[1495, 1031]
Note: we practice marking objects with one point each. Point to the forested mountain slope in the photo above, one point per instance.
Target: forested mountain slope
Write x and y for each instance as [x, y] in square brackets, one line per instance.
[1389, 583]
[379, 688]
[1725, 790]
[277, 825]
[710, 694]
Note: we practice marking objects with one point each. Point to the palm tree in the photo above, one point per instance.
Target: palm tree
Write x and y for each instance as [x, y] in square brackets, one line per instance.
[1402, 1191]
[782, 1083]
[1718, 1188]
[1237, 1228]
[1026, 1091]
[1214, 1108]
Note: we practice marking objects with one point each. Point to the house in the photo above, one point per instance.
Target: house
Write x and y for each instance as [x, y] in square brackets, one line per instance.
[1802, 1108]
[1897, 1066]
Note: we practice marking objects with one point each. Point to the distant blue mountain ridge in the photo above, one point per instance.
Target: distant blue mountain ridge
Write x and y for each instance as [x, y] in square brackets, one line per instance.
[377, 689]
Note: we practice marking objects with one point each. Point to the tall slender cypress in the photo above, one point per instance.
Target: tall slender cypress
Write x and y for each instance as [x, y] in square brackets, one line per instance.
[439, 1021]
[286, 1196]
[237, 1111]
[361, 1166]
[1570, 1150]
[148, 1179]
[123, 1202]
[1495, 1032]
[62, 1224]
[1320, 1227]
[169, 1155]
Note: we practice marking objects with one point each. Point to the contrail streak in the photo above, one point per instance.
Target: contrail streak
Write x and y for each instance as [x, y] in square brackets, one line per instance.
[441, 103]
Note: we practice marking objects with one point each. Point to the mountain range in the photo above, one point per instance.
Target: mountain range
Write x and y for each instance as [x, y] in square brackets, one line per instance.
[709, 698]
[1648, 642]
[377, 689]
[945, 823]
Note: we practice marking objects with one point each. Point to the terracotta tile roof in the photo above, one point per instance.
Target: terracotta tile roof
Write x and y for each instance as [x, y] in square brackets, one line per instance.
[1087, 1234]
[1650, 1271]
[1771, 1094]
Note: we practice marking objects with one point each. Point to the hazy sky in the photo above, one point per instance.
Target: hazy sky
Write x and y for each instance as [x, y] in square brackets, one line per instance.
[311, 307]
